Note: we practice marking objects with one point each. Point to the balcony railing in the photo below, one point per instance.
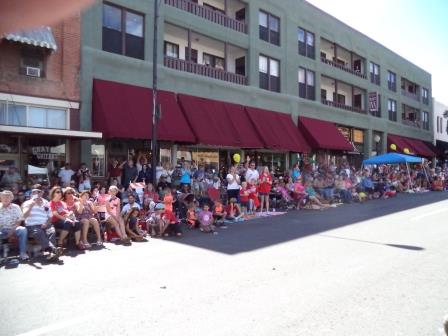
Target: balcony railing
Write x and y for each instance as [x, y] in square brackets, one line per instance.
[208, 14]
[412, 123]
[339, 66]
[204, 70]
[342, 106]
[410, 95]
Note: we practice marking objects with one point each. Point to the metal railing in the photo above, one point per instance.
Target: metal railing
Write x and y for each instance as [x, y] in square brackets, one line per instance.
[340, 66]
[204, 70]
[410, 95]
[343, 106]
[208, 14]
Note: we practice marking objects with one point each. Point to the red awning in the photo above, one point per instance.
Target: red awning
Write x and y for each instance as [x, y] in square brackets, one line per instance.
[219, 123]
[420, 148]
[209, 121]
[400, 142]
[277, 130]
[125, 111]
[247, 134]
[323, 134]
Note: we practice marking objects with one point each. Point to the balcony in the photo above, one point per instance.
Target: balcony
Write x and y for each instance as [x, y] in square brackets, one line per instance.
[204, 70]
[410, 89]
[411, 117]
[195, 53]
[341, 58]
[215, 14]
[343, 96]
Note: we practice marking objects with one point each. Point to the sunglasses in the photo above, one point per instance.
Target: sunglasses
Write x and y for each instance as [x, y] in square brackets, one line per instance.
[58, 192]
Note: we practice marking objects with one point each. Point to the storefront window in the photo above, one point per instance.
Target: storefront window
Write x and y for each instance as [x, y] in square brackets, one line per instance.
[165, 155]
[8, 144]
[98, 153]
[183, 153]
[45, 153]
[208, 158]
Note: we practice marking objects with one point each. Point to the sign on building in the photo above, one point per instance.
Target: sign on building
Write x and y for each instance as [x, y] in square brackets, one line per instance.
[373, 101]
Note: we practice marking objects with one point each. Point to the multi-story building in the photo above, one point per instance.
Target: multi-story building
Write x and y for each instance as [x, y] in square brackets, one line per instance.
[39, 97]
[441, 128]
[269, 79]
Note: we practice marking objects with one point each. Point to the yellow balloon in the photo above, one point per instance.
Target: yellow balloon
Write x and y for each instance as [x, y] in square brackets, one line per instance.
[236, 158]
[406, 151]
[393, 147]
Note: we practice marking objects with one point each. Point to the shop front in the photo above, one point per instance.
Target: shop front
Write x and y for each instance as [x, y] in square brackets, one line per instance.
[329, 143]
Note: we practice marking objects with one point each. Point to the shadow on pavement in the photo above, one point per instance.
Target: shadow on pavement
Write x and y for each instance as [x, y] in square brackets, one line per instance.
[263, 232]
[405, 247]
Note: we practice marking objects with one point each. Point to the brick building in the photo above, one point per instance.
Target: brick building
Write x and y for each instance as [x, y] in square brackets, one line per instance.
[40, 97]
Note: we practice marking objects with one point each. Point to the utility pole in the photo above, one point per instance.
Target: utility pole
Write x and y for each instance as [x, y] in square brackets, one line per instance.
[155, 106]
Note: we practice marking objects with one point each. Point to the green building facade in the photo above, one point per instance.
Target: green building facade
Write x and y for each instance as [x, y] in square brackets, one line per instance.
[228, 50]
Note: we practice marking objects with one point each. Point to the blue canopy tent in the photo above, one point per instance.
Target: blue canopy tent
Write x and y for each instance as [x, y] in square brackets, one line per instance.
[392, 158]
[395, 158]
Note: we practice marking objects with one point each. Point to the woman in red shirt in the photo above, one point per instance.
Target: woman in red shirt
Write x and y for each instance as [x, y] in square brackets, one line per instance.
[64, 219]
[265, 188]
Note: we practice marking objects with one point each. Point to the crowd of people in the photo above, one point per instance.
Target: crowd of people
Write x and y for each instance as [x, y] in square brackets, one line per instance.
[73, 208]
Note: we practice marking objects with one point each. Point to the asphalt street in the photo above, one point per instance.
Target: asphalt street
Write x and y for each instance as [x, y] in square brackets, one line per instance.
[378, 268]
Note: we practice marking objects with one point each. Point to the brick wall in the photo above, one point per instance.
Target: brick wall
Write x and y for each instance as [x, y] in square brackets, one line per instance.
[62, 66]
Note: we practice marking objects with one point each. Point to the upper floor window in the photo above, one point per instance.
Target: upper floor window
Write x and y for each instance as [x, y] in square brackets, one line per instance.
[374, 73]
[32, 62]
[269, 70]
[425, 96]
[392, 108]
[269, 26]
[392, 81]
[425, 120]
[307, 87]
[171, 49]
[306, 43]
[123, 31]
[15, 114]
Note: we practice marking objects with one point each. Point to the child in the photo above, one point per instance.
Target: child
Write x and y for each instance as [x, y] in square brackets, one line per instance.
[254, 202]
[155, 221]
[172, 226]
[244, 197]
[192, 220]
[219, 214]
[233, 210]
[206, 220]
[131, 225]
[168, 199]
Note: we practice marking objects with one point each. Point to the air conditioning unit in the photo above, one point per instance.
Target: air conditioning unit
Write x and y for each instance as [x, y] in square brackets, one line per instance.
[445, 114]
[32, 71]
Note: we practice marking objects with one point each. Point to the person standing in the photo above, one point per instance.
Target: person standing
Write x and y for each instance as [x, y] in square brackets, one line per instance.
[10, 217]
[252, 173]
[233, 184]
[83, 175]
[65, 175]
[130, 173]
[265, 188]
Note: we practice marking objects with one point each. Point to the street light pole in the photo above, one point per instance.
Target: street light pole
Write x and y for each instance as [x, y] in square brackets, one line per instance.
[155, 107]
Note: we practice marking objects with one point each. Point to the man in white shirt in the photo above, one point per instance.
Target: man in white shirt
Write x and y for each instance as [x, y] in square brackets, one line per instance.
[131, 204]
[252, 173]
[10, 217]
[37, 214]
[66, 175]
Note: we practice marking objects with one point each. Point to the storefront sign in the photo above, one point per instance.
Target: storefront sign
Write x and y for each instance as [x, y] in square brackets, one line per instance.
[44, 153]
[373, 101]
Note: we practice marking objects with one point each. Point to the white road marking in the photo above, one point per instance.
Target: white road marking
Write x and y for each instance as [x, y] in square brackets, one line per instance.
[429, 214]
[53, 327]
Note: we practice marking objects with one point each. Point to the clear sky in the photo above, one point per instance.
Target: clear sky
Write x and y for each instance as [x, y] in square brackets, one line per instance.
[414, 29]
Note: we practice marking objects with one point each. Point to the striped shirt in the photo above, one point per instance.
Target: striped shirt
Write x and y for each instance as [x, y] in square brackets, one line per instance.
[39, 214]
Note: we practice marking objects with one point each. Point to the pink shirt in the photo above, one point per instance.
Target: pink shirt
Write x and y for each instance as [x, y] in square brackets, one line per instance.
[114, 203]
